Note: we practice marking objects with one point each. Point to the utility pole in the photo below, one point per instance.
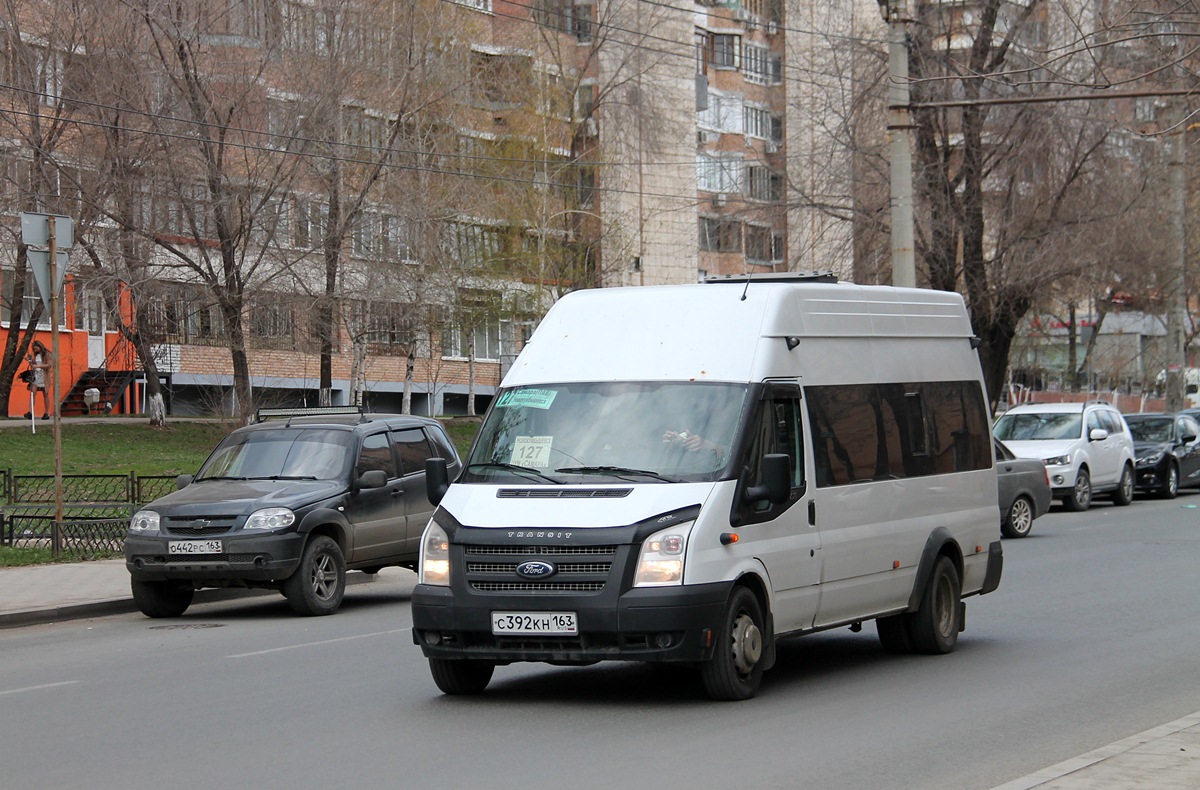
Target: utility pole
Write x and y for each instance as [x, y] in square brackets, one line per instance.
[1177, 304]
[904, 268]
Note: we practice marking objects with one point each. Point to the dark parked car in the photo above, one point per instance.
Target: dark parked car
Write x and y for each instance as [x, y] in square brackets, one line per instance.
[290, 503]
[1167, 452]
[1024, 491]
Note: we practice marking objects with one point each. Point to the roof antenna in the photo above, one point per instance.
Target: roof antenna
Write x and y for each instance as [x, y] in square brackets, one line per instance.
[744, 290]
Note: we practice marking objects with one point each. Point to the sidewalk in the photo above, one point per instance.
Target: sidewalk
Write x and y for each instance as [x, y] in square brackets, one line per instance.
[1165, 757]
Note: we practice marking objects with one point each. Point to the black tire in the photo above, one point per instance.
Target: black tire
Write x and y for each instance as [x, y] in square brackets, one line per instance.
[1124, 493]
[1018, 522]
[317, 586]
[161, 599]
[1080, 498]
[893, 634]
[735, 670]
[1170, 487]
[934, 626]
[374, 569]
[461, 675]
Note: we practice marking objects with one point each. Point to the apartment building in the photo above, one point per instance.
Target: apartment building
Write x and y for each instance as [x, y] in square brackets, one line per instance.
[554, 145]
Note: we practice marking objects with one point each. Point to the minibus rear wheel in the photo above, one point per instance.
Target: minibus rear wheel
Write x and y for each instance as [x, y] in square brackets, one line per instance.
[934, 626]
[736, 668]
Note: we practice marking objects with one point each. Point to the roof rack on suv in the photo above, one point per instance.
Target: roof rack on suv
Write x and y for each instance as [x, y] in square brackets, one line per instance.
[314, 411]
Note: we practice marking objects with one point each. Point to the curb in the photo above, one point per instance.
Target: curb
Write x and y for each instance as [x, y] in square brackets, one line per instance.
[82, 611]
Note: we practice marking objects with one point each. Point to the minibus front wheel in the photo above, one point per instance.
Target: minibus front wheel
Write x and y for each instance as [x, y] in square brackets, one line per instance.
[735, 670]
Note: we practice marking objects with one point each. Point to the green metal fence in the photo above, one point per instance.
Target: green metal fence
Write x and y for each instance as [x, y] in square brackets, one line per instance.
[95, 508]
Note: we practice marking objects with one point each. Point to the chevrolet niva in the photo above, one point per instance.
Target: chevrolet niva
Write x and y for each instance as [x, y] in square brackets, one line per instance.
[289, 503]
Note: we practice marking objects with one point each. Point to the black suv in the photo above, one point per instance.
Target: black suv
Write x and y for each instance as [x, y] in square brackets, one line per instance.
[289, 503]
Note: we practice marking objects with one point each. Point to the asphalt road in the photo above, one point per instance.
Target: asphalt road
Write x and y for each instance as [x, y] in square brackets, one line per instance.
[1091, 638]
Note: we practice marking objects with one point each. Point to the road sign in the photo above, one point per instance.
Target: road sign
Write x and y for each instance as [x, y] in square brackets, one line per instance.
[35, 230]
[39, 261]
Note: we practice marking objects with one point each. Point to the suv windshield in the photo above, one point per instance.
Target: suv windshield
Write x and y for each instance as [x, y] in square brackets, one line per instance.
[1151, 430]
[1031, 427]
[631, 431]
[298, 453]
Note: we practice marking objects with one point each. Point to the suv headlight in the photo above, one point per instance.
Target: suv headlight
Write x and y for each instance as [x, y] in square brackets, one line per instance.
[1058, 460]
[661, 561]
[269, 519]
[144, 522]
[434, 566]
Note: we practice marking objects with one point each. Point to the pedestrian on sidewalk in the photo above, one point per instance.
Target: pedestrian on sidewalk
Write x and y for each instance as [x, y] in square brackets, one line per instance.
[39, 363]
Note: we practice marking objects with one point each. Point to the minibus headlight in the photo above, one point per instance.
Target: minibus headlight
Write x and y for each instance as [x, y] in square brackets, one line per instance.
[434, 567]
[661, 560]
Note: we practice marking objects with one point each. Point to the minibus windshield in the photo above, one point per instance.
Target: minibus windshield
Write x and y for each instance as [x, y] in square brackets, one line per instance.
[608, 432]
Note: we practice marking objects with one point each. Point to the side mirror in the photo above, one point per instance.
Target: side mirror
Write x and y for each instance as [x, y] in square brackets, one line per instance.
[183, 481]
[1097, 435]
[373, 478]
[777, 484]
[437, 479]
[1187, 438]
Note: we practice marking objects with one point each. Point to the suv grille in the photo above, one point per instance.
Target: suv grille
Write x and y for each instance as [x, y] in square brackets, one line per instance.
[194, 527]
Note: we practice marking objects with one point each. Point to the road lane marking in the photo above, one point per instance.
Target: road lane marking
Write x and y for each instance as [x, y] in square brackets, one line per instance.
[39, 688]
[322, 642]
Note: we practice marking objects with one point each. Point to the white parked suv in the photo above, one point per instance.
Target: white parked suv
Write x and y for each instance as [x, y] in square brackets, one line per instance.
[1087, 448]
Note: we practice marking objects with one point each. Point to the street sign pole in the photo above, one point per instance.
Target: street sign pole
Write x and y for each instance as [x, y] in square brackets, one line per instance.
[56, 528]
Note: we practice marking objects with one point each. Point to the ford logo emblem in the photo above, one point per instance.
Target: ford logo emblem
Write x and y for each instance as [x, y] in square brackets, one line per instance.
[535, 569]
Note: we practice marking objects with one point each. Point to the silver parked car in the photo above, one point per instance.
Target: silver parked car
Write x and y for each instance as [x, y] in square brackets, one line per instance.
[1024, 487]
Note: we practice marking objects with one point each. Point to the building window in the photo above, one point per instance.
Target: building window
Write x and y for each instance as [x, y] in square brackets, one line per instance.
[762, 184]
[720, 235]
[726, 50]
[724, 113]
[272, 323]
[759, 64]
[759, 244]
[720, 173]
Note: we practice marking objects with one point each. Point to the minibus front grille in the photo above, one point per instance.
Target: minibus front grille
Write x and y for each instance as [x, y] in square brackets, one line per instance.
[542, 587]
[579, 570]
[562, 568]
[563, 493]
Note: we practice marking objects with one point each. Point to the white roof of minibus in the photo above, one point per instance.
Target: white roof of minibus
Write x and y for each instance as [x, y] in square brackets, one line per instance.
[711, 331]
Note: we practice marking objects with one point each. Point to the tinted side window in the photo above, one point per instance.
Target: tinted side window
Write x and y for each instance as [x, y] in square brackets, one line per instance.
[958, 424]
[376, 453]
[413, 449]
[865, 432]
[1114, 422]
[1094, 421]
[856, 434]
[1188, 426]
[441, 445]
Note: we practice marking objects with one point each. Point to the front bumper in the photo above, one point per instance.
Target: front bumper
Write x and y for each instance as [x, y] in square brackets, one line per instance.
[644, 624]
[1150, 478]
[249, 558]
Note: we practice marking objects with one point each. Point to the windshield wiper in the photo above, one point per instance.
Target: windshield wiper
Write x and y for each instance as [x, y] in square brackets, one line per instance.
[615, 471]
[514, 468]
[218, 477]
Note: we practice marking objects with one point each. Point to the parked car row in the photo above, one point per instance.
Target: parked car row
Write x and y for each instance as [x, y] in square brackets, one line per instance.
[1090, 449]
